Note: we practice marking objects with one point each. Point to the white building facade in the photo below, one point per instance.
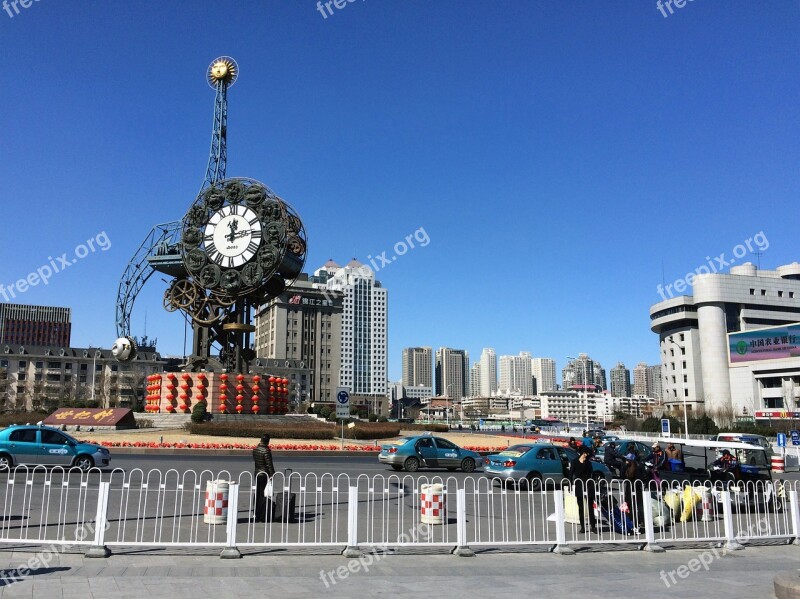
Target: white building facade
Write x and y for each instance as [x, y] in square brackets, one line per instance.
[544, 371]
[696, 333]
[364, 327]
[515, 375]
[488, 363]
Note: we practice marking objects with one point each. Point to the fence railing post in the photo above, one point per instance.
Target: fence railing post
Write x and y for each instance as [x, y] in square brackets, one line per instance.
[231, 551]
[727, 513]
[352, 549]
[462, 549]
[561, 534]
[649, 527]
[98, 548]
[795, 508]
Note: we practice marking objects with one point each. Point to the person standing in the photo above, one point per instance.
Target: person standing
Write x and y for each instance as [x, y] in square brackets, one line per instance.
[584, 487]
[265, 470]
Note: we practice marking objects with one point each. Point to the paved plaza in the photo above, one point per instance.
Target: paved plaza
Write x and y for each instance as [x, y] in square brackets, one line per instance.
[194, 574]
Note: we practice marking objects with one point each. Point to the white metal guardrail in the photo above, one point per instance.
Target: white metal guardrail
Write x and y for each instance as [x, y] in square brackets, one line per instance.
[102, 511]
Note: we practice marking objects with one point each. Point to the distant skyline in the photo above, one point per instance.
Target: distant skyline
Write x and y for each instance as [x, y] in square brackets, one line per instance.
[552, 164]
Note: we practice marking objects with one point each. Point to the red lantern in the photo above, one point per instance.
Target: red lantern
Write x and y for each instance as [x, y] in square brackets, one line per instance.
[239, 408]
[199, 396]
[170, 386]
[239, 377]
[202, 376]
[256, 378]
[185, 376]
[182, 407]
[255, 409]
[170, 408]
[255, 398]
[223, 387]
[272, 379]
[184, 386]
[223, 377]
[240, 388]
[272, 389]
[256, 388]
[272, 409]
[240, 398]
[200, 386]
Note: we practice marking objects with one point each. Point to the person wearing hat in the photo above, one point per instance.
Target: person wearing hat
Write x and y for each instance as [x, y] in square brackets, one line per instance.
[726, 461]
[659, 458]
[633, 486]
[264, 471]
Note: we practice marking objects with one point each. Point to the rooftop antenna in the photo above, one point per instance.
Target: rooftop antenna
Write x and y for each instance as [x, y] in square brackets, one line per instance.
[757, 254]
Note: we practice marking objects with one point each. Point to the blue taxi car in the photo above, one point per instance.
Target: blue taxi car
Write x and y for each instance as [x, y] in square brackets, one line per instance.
[537, 464]
[424, 451]
[34, 445]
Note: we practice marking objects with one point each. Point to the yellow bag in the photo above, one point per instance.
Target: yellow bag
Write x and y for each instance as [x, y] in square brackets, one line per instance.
[690, 498]
[673, 500]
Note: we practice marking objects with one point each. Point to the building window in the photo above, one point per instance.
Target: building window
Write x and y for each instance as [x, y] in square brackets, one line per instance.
[752, 292]
[763, 292]
[791, 295]
[682, 337]
[780, 293]
[22, 364]
[684, 365]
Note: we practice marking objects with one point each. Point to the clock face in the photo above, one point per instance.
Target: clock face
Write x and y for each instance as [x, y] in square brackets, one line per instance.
[232, 236]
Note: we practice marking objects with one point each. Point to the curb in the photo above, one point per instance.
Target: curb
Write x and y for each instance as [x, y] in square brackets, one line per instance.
[194, 451]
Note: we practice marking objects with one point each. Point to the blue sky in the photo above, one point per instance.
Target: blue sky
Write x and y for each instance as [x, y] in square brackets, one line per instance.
[557, 155]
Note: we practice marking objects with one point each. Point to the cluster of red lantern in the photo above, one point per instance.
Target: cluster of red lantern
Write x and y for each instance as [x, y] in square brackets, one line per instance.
[239, 390]
[172, 390]
[202, 384]
[279, 395]
[153, 393]
[255, 388]
[223, 393]
[186, 385]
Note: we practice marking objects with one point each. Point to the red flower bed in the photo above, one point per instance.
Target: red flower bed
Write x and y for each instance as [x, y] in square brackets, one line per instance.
[276, 446]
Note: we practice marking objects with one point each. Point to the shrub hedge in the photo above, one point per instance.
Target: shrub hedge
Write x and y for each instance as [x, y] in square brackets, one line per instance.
[305, 430]
[434, 428]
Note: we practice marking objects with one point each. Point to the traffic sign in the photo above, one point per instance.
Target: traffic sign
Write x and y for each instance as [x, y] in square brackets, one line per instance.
[781, 439]
[795, 437]
[342, 402]
[665, 427]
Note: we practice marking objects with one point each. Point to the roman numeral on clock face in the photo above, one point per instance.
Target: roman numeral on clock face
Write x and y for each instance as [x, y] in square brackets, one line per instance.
[231, 262]
[252, 247]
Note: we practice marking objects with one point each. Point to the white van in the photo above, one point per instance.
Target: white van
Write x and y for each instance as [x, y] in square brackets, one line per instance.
[750, 438]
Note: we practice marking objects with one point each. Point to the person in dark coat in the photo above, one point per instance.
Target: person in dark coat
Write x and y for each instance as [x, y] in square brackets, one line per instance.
[265, 470]
[584, 486]
[633, 474]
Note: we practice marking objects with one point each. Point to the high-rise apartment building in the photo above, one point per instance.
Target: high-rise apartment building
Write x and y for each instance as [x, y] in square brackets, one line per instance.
[488, 372]
[304, 324]
[364, 326]
[22, 325]
[515, 375]
[578, 372]
[475, 380]
[600, 381]
[544, 371]
[654, 382]
[418, 367]
[452, 372]
[640, 380]
[620, 381]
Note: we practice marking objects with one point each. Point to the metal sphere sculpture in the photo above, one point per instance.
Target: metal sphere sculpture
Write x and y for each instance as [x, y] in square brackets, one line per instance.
[124, 349]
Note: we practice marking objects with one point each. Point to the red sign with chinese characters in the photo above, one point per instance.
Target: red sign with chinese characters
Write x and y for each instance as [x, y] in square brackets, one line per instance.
[119, 417]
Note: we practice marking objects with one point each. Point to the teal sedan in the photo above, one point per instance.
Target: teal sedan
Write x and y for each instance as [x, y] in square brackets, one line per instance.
[536, 463]
[424, 451]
